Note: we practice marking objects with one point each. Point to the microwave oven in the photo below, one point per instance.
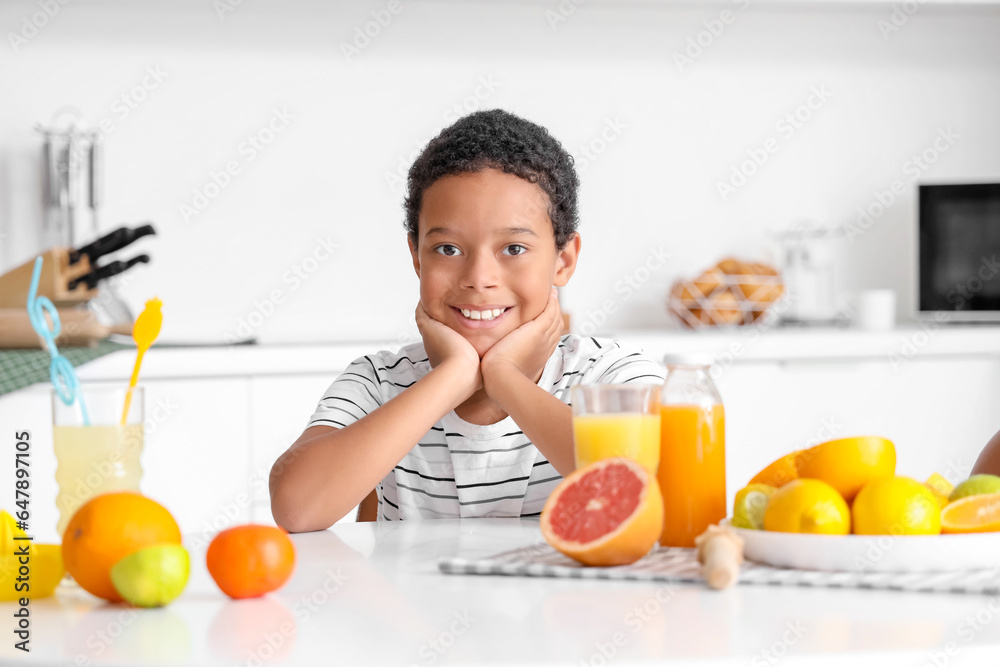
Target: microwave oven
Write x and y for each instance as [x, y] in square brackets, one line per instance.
[958, 252]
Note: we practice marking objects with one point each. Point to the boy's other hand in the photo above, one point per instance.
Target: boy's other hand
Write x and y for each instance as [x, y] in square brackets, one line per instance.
[442, 343]
[528, 347]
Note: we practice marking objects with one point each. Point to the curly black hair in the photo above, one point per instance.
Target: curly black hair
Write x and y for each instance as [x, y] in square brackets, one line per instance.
[499, 140]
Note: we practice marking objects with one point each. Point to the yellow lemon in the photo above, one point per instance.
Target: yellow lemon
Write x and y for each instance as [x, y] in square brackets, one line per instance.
[847, 464]
[750, 505]
[807, 506]
[940, 487]
[45, 565]
[896, 506]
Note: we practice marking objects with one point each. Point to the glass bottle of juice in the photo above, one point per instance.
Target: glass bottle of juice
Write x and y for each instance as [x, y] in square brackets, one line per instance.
[692, 472]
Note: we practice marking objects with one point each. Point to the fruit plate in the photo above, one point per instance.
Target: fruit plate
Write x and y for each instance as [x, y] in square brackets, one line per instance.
[872, 553]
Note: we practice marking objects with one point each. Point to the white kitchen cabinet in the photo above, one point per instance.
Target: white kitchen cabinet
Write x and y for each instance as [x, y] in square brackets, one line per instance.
[280, 407]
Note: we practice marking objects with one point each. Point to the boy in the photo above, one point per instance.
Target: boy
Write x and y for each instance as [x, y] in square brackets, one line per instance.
[473, 421]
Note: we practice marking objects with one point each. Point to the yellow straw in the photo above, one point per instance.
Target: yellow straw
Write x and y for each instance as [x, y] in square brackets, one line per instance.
[144, 332]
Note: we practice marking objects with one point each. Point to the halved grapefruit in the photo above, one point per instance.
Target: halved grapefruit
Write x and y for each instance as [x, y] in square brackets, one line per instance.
[607, 513]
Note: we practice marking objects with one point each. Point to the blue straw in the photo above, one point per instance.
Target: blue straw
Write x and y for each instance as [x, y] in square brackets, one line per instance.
[61, 372]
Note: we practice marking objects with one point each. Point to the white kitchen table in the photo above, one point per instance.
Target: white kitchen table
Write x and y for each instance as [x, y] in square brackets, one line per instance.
[372, 594]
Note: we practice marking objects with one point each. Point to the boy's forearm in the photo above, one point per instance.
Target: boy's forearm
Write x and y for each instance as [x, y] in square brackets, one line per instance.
[319, 480]
[547, 421]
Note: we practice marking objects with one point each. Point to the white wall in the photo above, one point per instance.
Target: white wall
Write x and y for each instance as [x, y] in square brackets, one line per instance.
[356, 123]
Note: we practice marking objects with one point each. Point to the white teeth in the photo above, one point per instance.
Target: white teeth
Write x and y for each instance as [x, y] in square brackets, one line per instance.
[482, 314]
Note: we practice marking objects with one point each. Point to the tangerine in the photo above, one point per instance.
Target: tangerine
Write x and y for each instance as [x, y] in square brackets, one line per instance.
[250, 560]
[107, 528]
[607, 513]
[779, 472]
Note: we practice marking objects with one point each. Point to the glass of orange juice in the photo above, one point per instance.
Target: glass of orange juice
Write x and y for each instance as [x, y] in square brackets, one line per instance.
[100, 456]
[692, 473]
[616, 420]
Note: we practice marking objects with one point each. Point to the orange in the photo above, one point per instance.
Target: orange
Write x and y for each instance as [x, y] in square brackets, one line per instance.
[975, 514]
[250, 560]
[107, 528]
[779, 473]
[807, 506]
[848, 464]
[607, 513]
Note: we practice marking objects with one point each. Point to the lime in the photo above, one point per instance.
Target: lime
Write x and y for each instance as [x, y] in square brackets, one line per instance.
[152, 577]
[976, 485]
[750, 504]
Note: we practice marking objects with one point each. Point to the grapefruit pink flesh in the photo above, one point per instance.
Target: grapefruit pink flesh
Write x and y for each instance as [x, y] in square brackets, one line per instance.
[597, 504]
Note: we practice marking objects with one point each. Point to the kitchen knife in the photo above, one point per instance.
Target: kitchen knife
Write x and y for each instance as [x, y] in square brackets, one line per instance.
[110, 242]
[107, 271]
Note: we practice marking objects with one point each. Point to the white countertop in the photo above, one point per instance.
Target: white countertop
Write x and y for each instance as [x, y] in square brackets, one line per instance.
[745, 345]
[372, 594]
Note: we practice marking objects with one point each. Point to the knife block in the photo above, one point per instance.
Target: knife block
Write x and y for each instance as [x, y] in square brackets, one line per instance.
[56, 275]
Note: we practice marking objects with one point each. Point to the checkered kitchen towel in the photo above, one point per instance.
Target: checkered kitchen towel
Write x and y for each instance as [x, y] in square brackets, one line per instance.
[21, 368]
[678, 565]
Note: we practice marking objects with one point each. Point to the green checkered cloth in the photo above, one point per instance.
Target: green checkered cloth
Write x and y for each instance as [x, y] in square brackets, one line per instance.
[21, 368]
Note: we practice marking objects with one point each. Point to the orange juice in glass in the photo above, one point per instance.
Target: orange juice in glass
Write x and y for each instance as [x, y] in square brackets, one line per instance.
[616, 420]
[692, 473]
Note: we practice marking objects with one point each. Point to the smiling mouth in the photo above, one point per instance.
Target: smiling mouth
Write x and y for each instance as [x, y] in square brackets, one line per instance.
[482, 315]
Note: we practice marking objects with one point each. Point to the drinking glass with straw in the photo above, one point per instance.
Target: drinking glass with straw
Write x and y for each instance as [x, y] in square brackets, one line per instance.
[61, 372]
[144, 332]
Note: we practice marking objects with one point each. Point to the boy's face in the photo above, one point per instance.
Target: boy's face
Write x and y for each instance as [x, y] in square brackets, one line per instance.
[486, 244]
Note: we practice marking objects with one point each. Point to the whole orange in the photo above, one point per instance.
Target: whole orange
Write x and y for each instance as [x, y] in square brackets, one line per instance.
[248, 561]
[107, 528]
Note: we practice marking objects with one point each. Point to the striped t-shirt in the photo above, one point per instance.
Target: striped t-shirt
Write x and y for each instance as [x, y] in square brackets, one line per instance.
[458, 469]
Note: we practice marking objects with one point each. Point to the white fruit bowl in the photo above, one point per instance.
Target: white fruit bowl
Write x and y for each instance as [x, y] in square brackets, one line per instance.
[872, 553]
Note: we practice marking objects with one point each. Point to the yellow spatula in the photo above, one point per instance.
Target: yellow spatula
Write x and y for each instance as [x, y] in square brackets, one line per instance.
[144, 332]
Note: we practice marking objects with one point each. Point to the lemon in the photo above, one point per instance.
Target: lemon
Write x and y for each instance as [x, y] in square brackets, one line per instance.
[896, 506]
[152, 577]
[750, 504]
[975, 486]
[808, 506]
[940, 487]
[45, 569]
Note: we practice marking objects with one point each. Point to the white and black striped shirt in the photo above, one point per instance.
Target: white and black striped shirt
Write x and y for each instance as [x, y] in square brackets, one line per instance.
[458, 469]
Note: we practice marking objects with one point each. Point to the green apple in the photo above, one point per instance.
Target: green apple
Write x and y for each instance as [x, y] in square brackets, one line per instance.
[976, 485]
[152, 577]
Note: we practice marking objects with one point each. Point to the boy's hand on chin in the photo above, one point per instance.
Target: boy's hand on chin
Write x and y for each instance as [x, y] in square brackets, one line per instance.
[528, 347]
[442, 343]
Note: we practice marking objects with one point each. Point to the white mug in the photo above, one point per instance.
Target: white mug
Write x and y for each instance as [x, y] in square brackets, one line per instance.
[876, 310]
